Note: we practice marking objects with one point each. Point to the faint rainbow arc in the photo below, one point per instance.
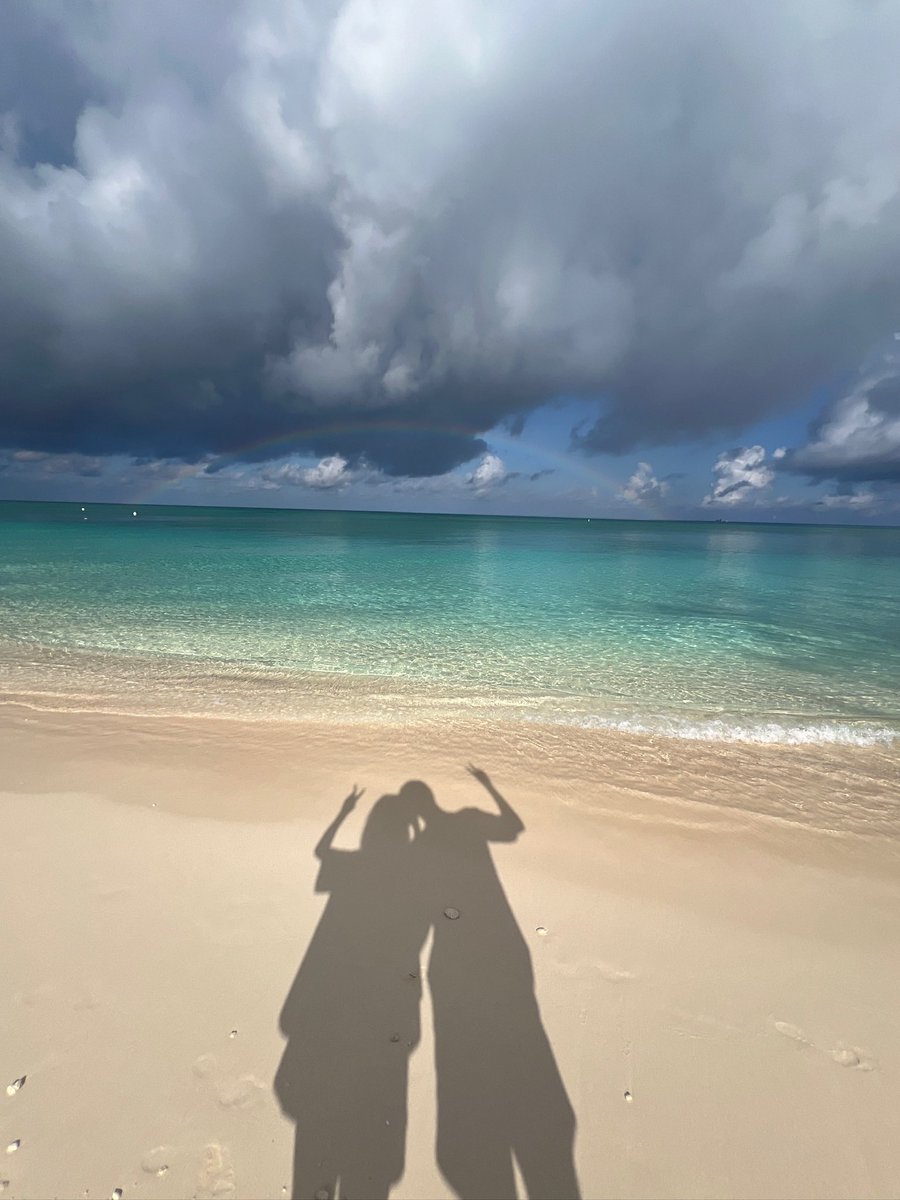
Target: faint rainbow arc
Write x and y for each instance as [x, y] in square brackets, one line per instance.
[288, 441]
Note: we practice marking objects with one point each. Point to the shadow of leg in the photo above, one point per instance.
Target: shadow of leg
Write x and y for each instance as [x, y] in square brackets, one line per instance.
[541, 1117]
[311, 1177]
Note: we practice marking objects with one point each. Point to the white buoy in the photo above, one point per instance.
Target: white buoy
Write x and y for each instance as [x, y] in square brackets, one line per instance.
[134, 514]
[82, 508]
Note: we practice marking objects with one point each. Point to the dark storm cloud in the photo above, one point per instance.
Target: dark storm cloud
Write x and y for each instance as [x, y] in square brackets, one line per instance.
[221, 223]
[37, 66]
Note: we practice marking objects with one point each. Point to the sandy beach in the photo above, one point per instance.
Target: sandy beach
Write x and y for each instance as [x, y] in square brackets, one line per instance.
[672, 971]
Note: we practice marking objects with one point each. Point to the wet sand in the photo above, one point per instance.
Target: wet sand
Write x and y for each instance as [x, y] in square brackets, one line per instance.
[678, 979]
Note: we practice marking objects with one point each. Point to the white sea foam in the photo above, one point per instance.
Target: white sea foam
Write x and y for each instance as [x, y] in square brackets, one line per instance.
[760, 733]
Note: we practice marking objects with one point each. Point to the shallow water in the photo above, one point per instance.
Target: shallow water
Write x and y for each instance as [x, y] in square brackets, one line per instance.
[713, 631]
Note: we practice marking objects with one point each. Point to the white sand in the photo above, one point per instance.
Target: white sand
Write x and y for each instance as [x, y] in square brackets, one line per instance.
[718, 986]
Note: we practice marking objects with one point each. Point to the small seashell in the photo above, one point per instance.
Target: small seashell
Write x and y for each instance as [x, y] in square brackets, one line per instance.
[452, 914]
[541, 931]
[16, 1085]
[628, 1097]
[13, 1146]
[395, 1037]
[117, 1194]
[233, 1033]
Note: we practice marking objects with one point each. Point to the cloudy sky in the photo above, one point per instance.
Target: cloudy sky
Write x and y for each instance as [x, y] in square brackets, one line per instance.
[617, 258]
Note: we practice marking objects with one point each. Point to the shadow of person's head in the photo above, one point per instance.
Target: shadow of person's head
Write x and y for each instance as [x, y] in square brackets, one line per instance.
[420, 798]
[391, 824]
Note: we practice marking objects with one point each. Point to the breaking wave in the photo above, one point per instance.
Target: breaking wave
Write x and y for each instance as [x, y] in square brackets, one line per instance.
[766, 733]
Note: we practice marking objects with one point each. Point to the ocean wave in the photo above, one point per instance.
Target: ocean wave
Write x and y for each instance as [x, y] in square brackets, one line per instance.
[767, 733]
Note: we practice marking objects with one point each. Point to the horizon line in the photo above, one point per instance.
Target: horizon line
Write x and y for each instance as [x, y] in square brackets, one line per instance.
[380, 512]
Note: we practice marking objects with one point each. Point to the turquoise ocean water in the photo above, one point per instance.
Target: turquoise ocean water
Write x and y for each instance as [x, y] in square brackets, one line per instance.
[715, 631]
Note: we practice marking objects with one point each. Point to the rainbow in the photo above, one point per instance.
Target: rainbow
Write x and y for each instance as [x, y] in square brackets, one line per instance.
[282, 445]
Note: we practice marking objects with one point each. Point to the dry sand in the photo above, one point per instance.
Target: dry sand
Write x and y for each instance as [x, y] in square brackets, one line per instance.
[714, 935]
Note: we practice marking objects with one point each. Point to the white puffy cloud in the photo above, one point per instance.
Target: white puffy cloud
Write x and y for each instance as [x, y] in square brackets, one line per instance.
[858, 438]
[643, 485]
[330, 472]
[490, 473]
[740, 475]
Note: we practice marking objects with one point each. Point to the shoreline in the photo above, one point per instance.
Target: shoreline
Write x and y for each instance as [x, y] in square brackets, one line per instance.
[706, 936]
[831, 789]
[59, 678]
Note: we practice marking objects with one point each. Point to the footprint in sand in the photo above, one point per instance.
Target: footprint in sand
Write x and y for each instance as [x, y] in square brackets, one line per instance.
[216, 1175]
[843, 1055]
[853, 1057]
[232, 1091]
[204, 1066]
[156, 1161]
[86, 1002]
[34, 996]
[240, 1093]
[786, 1029]
[613, 974]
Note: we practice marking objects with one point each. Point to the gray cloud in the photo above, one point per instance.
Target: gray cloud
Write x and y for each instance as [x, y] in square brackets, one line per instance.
[858, 438]
[39, 464]
[225, 222]
[850, 500]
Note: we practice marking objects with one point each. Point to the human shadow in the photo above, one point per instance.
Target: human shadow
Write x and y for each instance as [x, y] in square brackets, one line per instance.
[351, 1018]
[499, 1091]
[352, 1015]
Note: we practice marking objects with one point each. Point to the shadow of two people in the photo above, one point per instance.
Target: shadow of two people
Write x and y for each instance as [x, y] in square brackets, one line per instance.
[351, 1018]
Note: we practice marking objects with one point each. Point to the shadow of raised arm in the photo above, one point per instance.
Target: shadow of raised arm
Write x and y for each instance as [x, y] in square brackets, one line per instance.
[507, 825]
[323, 846]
